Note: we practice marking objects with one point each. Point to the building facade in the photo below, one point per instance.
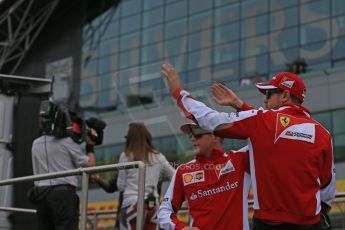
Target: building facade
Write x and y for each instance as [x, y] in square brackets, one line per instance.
[235, 42]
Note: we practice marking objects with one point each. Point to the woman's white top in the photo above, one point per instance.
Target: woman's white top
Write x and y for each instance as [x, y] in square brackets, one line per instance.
[127, 180]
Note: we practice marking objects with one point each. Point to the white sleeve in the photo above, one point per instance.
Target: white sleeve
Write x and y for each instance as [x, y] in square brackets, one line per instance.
[327, 194]
[166, 167]
[206, 117]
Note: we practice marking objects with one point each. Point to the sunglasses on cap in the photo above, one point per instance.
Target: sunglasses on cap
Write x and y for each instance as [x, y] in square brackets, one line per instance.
[270, 92]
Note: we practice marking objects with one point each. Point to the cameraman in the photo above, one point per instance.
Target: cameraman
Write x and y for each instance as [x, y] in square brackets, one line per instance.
[58, 207]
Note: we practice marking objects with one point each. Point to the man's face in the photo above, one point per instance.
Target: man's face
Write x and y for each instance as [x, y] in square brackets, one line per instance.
[274, 98]
[203, 144]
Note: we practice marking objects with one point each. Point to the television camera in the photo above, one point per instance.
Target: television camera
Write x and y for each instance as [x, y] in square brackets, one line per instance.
[58, 121]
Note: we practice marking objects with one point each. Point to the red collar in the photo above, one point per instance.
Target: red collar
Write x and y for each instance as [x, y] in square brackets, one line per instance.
[216, 154]
[297, 107]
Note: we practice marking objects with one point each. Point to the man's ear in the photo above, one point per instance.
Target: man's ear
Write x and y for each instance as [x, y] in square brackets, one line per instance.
[285, 96]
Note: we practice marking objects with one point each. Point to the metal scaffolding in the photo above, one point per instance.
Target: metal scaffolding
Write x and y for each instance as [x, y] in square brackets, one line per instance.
[20, 25]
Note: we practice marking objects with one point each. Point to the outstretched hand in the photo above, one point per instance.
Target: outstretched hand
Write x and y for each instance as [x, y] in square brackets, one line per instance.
[172, 77]
[222, 95]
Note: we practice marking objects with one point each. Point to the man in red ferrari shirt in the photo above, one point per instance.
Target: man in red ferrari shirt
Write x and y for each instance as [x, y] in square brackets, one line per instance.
[215, 184]
[291, 156]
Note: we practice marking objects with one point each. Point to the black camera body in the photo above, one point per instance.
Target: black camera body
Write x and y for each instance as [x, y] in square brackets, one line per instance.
[58, 121]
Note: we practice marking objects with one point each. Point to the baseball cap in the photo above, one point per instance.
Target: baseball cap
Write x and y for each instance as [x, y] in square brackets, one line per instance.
[285, 81]
[193, 128]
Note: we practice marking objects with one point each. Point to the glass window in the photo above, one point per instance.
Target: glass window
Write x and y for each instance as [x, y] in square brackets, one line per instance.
[199, 59]
[226, 33]
[151, 72]
[226, 52]
[197, 78]
[315, 32]
[254, 8]
[339, 122]
[284, 39]
[254, 26]
[225, 15]
[257, 63]
[338, 48]
[123, 76]
[167, 144]
[148, 87]
[129, 58]
[176, 46]
[254, 46]
[316, 53]
[280, 58]
[130, 41]
[176, 28]
[152, 35]
[153, 17]
[176, 10]
[129, 7]
[338, 7]
[104, 64]
[104, 100]
[324, 119]
[130, 24]
[90, 63]
[338, 26]
[339, 147]
[152, 53]
[314, 10]
[200, 5]
[148, 4]
[112, 30]
[321, 65]
[282, 4]
[224, 2]
[88, 85]
[200, 40]
[109, 47]
[201, 21]
[283, 18]
[227, 72]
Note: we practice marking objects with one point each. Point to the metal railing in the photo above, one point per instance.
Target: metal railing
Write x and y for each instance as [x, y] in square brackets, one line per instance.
[85, 186]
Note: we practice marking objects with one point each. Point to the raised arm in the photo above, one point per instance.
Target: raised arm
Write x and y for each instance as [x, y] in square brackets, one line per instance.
[204, 116]
[222, 95]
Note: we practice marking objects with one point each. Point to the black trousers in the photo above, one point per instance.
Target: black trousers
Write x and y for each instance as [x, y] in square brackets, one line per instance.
[59, 210]
[260, 225]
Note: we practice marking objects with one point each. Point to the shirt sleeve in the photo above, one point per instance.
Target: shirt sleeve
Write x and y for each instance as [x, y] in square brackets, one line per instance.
[328, 182]
[166, 167]
[121, 176]
[171, 204]
[76, 152]
[237, 125]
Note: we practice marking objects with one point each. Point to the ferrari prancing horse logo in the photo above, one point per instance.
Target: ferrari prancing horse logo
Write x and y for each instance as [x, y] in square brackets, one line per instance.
[284, 121]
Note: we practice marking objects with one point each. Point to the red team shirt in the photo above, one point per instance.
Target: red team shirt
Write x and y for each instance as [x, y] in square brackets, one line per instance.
[291, 157]
[216, 190]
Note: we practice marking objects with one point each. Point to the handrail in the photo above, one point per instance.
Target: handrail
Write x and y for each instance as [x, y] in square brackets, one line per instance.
[85, 184]
[10, 209]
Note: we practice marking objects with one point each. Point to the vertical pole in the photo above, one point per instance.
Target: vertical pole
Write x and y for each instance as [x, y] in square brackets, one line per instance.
[84, 200]
[141, 195]
[95, 221]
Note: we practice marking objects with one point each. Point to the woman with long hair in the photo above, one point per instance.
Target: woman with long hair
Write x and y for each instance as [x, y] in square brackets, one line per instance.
[139, 147]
